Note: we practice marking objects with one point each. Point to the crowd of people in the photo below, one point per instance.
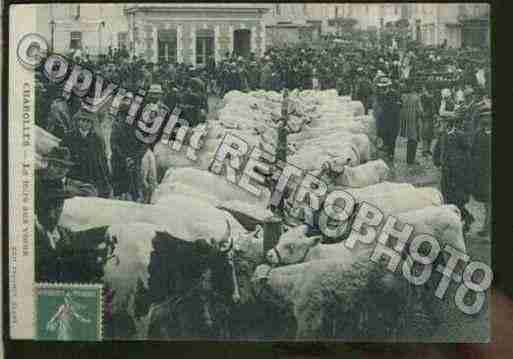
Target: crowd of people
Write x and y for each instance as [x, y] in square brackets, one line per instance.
[422, 94]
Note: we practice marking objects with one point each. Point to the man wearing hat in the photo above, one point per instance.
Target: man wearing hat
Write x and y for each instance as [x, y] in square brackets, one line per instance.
[146, 78]
[468, 109]
[391, 102]
[156, 95]
[62, 255]
[266, 76]
[429, 105]
[195, 102]
[88, 154]
[56, 167]
[127, 152]
[59, 122]
[452, 155]
[52, 242]
[363, 89]
[382, 85]
[480, 159]
[410, 119]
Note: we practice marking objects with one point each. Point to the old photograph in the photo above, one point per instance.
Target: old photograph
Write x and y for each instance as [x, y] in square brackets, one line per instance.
[251, 171]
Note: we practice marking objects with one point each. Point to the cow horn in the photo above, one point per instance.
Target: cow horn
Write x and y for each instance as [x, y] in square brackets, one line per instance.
[228, 232]
[227, 236]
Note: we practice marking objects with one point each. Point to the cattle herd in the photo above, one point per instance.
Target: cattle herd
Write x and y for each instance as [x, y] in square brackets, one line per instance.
[192, 263]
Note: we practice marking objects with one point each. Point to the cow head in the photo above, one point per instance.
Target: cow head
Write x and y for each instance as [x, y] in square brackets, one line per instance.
[291, 250]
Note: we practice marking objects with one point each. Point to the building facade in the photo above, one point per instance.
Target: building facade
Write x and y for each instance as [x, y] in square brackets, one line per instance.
[194, 33]
[456, 25]
[453, 24]
[288, 23]
[89, 28]
[369, 16]
[184, 32]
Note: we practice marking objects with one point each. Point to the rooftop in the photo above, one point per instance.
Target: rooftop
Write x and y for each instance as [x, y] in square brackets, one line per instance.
[198, 7]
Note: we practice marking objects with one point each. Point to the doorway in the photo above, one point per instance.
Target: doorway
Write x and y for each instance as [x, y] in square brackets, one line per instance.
[204, 47]
[242, 42]
[167, 46]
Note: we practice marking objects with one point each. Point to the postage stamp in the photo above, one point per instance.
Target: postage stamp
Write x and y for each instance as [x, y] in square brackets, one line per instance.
[202, 171]
[69, 312]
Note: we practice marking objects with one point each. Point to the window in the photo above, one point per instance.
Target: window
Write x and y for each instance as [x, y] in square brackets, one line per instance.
[167, 47]
[75, 40]
[204, 46]
[122, 39]
[278, 10]
[135, 32]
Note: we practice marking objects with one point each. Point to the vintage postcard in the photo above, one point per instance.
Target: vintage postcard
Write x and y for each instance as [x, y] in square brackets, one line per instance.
[250, 172]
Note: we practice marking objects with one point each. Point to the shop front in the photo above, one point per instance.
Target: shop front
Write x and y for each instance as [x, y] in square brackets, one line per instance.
[195, 33]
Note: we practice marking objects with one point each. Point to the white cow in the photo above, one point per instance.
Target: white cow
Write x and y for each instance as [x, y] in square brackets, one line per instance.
[313, 290]
[443, 223]
[402, 200]
[364, 175]
[333, 143]
[378, 188]
[312, 159]
[129, 268]
[206, 184]
[183, 218]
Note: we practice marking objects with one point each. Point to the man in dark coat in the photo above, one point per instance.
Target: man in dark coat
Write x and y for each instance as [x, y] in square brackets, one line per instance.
[52, 242]
[481, 161]
[363, 90]
[430, 107]
[379, 104]
[194, 103]
[266, 76]
[88, 153]
[452, 154]
[391, 108]
[61, 255]
[58, 163]
[126, 158]
[410, 120]
[59, 122]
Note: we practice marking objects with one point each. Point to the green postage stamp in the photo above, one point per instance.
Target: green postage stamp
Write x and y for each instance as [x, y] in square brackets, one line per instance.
[69, 312]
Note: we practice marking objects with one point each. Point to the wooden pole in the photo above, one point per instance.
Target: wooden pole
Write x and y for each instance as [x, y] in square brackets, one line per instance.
[281, 150]
[283, 129]
[272, 232]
